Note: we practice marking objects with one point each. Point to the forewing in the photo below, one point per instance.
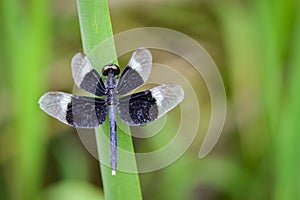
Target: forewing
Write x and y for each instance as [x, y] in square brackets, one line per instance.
[143, 107]
[76, 111]
[85, 76]
[136, 72]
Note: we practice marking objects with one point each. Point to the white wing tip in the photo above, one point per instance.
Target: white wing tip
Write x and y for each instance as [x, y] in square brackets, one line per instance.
[167, 96]
[177, 89]
[180, 92]
[43, 99]
[144, 51]
[77, 59]
[79, 55]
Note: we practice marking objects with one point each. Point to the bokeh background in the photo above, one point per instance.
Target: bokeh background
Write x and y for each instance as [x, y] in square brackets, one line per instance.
[255, 45]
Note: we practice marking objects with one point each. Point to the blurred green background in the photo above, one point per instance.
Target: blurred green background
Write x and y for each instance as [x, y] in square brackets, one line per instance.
[255, 45]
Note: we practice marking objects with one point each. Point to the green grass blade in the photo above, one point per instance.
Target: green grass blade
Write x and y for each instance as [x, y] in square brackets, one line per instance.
[96, 27]
[271, 64]
[26, 42]
[287, 142]
[281, 99]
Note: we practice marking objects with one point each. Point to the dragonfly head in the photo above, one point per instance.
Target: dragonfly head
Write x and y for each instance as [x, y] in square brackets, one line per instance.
[111, 68]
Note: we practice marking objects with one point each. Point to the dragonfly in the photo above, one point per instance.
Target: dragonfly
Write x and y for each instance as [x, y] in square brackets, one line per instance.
[134, 109]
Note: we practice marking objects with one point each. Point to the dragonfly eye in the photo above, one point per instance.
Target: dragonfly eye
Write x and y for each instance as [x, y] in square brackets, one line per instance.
[111, 68]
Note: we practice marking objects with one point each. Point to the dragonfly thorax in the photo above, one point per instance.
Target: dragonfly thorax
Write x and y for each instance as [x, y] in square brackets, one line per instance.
[111, 90]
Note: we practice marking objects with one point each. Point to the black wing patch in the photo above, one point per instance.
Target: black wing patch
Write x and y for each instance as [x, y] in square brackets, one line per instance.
[136, 72]
[143, 107]
[137, 109]
[85, 76]
[76, 111]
